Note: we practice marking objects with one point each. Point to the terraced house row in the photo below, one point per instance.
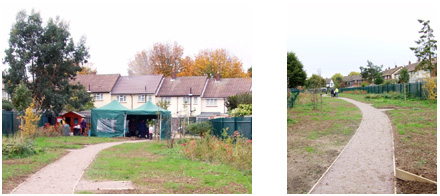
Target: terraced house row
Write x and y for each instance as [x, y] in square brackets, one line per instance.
[196, 96]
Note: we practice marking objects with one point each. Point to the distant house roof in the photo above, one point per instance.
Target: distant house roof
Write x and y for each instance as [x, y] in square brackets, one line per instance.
[347, 78]
[390, 71]
[328, 80]
[180, 86]
[98, 83]
[143, 84]
[356, 77]
[226, 87]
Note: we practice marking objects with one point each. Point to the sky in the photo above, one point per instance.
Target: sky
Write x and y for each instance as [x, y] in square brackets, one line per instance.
[117, 30]
[340, 37]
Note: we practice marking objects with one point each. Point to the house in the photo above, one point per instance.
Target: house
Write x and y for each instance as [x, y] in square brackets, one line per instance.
[218, 89]
[390, 73]
[353, 81]
[329, 83]
[5, 95]
[182, 94]
[413, 74]
[99, 86]
[134, 91]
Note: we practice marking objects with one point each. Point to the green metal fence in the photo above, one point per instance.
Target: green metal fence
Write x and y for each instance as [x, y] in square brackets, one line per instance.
[292, 94]
[10, 122]
[414, 89]
[241, 124]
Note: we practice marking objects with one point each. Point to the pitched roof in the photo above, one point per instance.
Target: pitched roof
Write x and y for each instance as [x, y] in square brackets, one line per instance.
[356, 77]
[97, 83]
[388, 72]
[227, 87]
[143, 84]
[347, 78]
[327, 80]
[181, 86]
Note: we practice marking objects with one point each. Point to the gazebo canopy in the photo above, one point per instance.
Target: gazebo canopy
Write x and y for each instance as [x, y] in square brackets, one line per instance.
[147, 109]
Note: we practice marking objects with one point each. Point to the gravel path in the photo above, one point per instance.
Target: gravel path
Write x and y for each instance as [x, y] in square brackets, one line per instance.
[366, 164]
[63, 175]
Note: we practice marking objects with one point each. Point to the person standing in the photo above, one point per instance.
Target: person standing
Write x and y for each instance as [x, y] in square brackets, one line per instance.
[143, 129]
[132, 128]
[332, 93]
[151, 130]
[83, 126]
[336, 92]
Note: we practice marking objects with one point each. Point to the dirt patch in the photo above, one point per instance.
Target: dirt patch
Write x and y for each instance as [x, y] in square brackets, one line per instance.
[415, 148]
[314, 141]
[409, 187]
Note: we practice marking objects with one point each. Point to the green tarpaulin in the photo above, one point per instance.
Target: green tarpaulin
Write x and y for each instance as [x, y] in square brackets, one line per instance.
[110, 120]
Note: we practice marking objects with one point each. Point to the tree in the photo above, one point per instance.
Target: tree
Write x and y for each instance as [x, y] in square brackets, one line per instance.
[22, 97]
[370, 71]
[337, 79]
[7, 105]
[404, 78]
[165, 58]
[210, 62]
[249, 72]
[234, 101]
[79, 100]
[425, 52]
[296, 76]
[87, 69]
[315, 82]
[188, 67]
[353, 73]
[140, 64]
[45, 58]
[378, 79]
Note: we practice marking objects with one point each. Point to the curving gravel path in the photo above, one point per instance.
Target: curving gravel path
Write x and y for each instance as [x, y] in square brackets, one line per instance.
[62, 176]
[366, 165]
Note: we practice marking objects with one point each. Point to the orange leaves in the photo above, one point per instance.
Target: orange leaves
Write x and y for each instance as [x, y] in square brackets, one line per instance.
[210, 62]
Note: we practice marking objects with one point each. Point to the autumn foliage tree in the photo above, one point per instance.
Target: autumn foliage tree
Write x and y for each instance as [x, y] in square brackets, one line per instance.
[165, 58]
[209, 62]
[87, 69]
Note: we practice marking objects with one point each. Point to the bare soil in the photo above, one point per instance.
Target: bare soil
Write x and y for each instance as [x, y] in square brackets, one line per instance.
[408, 187]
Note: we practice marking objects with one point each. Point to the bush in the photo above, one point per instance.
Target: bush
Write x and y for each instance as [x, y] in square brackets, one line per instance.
[242, 110]
[373, 96]
[234, 101]
[235, 151]
[7, 105]
[356, 92]
[16, 147]
[200, 128]
[364, 84]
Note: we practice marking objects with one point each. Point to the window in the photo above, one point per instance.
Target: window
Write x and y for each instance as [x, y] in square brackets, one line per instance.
[211, 102]
[121, 98]
[149, 98]
[186, 100]
[167, 99]
[99, 97]
[195, 100]
[141, 98]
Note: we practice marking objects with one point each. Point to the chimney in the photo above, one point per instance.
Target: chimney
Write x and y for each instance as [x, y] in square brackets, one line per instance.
[173, 75]
[409, 63]
[217, 77]
[395, 66]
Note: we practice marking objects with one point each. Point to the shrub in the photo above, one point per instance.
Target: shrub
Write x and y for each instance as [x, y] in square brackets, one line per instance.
[235, 151]
[234, 101]
[17, 147]
[364, 84]
[30, 119]
[356, 92]
[201, 128]
[373, 96]
[242, 110]
[7, 105]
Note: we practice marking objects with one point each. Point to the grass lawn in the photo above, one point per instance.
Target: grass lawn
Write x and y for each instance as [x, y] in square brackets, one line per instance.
[154, 168]
[415, 136]
[314, 140]
[15, 171]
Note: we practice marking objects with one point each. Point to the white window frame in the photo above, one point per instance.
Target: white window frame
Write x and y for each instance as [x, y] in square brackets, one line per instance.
[211, 102]
[141, 98]
[121, 98]
[186, 99]
[98, 97]
[150, 98]
[195, 100]
[168, 99]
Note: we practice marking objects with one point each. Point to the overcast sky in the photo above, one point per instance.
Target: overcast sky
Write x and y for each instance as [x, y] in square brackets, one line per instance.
[339, 38]
[117, 30]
